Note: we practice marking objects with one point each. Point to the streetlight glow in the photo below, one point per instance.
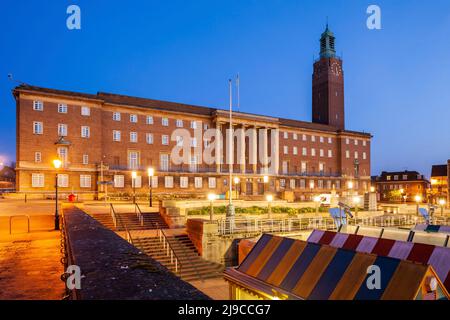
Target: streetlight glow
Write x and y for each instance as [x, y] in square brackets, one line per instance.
[236, 180]
[442, 202]
[418, 198]
[266, 179]
[350, 184]
[150, 172]
[134, 174]
[372, 189]
[269, 198]
[57, 163]
[212, 196]
[316, 199]
[356, 200]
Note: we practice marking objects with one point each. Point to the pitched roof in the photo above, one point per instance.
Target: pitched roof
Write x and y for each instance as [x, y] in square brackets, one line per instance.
[437, 257]
[124, 100]
[439, 170]
[306, 270]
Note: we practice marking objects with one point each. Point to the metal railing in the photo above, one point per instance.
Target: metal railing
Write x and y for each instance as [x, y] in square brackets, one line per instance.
[117, 221]
[66, 259]
[138, 213]
[287, 225]
[112, 212]
[169, 250]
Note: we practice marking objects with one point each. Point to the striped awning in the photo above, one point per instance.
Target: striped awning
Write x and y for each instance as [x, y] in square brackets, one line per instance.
[437, 257]
[308, 270]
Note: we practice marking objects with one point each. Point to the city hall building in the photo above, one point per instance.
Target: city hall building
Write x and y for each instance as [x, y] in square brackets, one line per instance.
[104, 137]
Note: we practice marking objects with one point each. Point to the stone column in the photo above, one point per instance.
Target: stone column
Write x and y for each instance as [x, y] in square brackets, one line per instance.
[263, 150]
[275, 150]
[253, 153]
[218, 149]
[241, 151]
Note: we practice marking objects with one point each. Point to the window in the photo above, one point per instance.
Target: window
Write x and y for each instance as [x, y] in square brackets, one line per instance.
[304, 151]
[193, 163]
[116, 135]
[62, 130]
[85, 132]
[37, 180]
[205, 126]
[38, 105]
[313, 138]
[282, 183]
[364, 143]
[193, 124]
[347, 141]
[320, 184]
[285, 167]
[85, 159]
[302, 183]
[303, 167]
[116, 116]
[62, 155]
[133, 160]
[37, 157]
[85, 111]
[285, 135]
[63, 180]
[168, 182]
[119, 181]
[179, 123]
[338, 184]
[149, 120]
[313, 152]
[321, 153]
[194, 142]
[165, 122]
[198, 182]
[396, 177]
[330, 140]
[133, 118]
[405, 177]
[356, 142]
[184, 182]
[164, 162]
[356, 155]
[364, 156]
[149, 138]
[85, 181]
[165, 139]
[285, 149]
[347, 154]
[329, 186]
[321, 139]
[62, 108]
[304, 137]
[388, 178]
[155, 182]
[211, 182]
[38, 127]
[330, 153]
[133, 137]
[292, 183]
[294, 136]
[295, 151]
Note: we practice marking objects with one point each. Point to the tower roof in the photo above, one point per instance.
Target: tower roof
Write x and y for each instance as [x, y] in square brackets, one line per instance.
[327, 44]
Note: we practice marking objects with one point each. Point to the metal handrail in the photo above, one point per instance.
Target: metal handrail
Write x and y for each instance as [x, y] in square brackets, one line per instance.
[169, 250]
[122, 224]
[112, 212]
[16, 216]
[138, 212]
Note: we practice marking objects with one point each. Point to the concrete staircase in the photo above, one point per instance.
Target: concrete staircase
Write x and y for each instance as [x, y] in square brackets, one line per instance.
[193, 266]
[152, 221]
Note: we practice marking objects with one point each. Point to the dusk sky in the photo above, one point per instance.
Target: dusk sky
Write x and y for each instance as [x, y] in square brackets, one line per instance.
[397, 80]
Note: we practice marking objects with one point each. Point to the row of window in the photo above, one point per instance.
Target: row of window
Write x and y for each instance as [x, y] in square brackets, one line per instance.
[179, 123]
[38, 180]
[355, 155]
[404, 177]
[295, 136]
[38, 128]
[62, 108]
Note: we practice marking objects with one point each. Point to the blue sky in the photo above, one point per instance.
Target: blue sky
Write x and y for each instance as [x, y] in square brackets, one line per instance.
[396, 79]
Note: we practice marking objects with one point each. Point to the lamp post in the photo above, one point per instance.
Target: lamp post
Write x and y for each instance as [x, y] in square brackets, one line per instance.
[418, 199]
[442, 204]
[150, 172]
[133, 185]
[57, 164]
[236, 181]
[269, 199]
[211, 198]
[311, 187]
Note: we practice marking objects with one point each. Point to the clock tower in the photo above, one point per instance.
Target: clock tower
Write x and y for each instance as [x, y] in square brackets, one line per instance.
[328, 85]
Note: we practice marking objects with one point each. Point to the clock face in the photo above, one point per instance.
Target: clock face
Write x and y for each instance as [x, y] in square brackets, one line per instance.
[336, 68]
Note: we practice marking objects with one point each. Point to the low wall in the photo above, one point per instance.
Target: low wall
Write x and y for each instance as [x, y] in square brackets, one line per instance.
[113, 269]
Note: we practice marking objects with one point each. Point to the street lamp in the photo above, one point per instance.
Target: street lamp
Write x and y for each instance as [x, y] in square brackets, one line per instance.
[442, 204]
[269, 199]
[57, 164]
[418, 199]
[236, 181]
[133, 184]
[317, 201]
[402, 191]
[211, 198]
[372, 189]
[150, 172]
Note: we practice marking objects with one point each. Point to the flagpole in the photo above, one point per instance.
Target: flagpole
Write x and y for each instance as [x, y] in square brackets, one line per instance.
[230, 208]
